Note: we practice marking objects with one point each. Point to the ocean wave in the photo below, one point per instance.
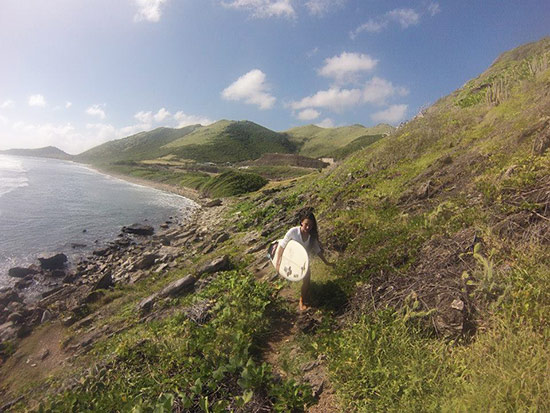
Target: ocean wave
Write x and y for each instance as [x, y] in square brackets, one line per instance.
[12, 175]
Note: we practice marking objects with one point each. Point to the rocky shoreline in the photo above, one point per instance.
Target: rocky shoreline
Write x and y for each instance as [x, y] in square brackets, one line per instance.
[54, 289]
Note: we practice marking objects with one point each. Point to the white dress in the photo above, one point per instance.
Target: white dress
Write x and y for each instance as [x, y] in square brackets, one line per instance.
[295, 234]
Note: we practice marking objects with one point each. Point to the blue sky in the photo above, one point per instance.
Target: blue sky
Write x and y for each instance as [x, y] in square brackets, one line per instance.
[76, 73]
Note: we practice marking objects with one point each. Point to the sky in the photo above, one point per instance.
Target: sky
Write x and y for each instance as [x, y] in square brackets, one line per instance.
[77, 73]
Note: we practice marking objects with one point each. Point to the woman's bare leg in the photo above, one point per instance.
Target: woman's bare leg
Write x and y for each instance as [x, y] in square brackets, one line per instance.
[305, 292]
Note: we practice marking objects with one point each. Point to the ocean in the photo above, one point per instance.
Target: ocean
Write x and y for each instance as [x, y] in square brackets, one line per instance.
[48, 206]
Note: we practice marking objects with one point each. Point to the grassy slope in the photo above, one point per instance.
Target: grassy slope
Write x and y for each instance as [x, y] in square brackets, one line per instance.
[455, 203]
[479, 234]
[144, 145]
[228, 141]
[315, 141]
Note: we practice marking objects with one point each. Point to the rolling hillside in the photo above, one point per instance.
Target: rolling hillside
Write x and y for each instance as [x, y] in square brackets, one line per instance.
[230, 141]
[314, 141]
[144, 145]
[47, 152]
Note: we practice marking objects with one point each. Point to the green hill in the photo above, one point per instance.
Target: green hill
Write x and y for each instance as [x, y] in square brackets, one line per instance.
[141, 146]
[229, 141]
[314, 141]
[47, 152]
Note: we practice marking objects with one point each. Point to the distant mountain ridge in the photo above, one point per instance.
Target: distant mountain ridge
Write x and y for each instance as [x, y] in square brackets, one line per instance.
[223, 141]
[46, 152]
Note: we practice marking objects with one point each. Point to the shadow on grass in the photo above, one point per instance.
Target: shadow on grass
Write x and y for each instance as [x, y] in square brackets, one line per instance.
[328, 296]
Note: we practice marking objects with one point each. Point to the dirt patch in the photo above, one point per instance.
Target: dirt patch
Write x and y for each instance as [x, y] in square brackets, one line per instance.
[37, 357]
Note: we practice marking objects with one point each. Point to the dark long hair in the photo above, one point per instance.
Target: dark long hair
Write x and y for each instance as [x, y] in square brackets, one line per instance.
[307, 213]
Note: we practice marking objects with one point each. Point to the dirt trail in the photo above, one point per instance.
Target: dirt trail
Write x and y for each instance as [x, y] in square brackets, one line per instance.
[285, 331]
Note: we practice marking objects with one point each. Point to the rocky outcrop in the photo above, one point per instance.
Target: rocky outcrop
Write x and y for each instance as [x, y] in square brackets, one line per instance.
[138, 229]
[20, 272]
[56, 262]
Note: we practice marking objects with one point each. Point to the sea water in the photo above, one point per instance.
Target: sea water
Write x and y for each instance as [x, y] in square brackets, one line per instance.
[50, 206]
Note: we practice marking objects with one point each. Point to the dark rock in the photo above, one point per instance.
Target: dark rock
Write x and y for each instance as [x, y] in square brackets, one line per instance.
[93, 296]
[139, 229]
[102, 252]
[145, 305]
[44, 355]
[24, 331]
[222, 238]
[16, 318]
[53, 263]
[104, 282]
[69, 278]
[58, 273]
[213, 203]
[208, 249]
[24, 282]
[8, 297]
[76, 245]
[178, 287]
[219, 264]
[145, 261]
[19, 272]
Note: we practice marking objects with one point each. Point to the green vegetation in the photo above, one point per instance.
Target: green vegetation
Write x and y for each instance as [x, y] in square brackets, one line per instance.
[227, 141]
[355, 145]
[315, 141]
[233, 183]
[144, 145]
[176, 363]
[439, 298]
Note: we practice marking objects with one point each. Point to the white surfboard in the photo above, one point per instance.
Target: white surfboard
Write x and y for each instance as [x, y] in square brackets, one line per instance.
[294, 262]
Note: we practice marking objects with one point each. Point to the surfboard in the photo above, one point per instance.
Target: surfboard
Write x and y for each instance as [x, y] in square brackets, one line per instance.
[294, 262]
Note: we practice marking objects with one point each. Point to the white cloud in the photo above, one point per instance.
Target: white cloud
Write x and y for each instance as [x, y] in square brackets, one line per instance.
[7, 104]
[144, 117]
[264, 8]
[394, 114]
[371, 26]
[179, 119]
[68, 105]
[335, 98]
[161, 115]
[322, 7]
[96, 110]
[149, 10]
[37, 100]
[308, 114]
[405, 17]
[342, 68]
[183, 119]
[252, 89]
[375, 91]
[434, 9]
[326, 123]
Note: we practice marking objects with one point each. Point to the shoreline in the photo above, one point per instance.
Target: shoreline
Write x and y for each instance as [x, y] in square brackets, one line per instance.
[75, 256]
[188, 193]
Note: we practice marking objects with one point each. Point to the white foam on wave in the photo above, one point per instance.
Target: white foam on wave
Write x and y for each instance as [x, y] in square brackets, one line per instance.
[12, 174]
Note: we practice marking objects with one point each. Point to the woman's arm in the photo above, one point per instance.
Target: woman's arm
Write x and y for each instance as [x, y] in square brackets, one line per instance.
[278, 257]
[323, 258]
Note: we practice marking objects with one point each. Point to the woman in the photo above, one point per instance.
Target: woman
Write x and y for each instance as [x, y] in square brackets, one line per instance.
[306, 234]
